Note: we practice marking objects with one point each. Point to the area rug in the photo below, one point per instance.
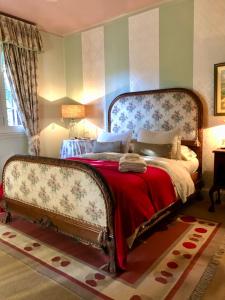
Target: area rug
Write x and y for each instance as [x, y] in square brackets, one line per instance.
[157, 266]
[211, 284]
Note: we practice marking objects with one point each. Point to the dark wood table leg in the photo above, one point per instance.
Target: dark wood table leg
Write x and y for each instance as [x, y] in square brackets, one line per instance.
[218, 201]
[211, 192]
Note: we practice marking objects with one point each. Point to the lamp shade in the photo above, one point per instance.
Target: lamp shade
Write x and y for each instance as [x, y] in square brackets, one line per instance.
[73, 111]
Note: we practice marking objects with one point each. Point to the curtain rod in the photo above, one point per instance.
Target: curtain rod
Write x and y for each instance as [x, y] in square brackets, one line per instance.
[17, 18]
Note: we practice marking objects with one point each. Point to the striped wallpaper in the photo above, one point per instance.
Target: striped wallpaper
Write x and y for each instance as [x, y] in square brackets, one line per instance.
[143, 51]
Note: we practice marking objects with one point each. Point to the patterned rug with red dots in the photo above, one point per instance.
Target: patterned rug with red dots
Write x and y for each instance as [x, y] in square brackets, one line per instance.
[157, 267]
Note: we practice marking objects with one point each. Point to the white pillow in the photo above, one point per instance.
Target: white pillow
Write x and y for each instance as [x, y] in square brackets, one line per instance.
[125, 139]
[162, 137]
[187, 153]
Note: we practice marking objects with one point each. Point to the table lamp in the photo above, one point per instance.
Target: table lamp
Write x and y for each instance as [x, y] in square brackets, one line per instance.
[73, 113]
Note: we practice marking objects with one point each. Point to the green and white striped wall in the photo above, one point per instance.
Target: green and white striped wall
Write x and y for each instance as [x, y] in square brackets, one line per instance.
[176, 44]
[149, 50]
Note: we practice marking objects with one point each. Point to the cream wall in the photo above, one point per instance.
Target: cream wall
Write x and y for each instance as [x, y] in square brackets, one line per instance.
[11, 144]
[52, 93]
[209, 49]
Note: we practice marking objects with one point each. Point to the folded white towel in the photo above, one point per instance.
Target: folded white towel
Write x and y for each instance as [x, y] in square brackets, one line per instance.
[132, 162]
[132, 158]
[132, 169]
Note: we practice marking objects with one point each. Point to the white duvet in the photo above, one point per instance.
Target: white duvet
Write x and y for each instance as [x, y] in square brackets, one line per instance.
[176, 169]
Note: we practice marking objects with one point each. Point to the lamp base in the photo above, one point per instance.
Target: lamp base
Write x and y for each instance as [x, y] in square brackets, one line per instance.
[73, 130]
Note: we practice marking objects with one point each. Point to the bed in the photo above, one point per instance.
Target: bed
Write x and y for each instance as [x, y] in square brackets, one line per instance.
[81, 197]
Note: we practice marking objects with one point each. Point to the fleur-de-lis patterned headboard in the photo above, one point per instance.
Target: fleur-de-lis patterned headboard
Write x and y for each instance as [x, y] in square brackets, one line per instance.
[163, 109]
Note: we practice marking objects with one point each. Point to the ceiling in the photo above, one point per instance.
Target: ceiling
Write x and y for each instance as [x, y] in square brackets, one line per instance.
[63, 17]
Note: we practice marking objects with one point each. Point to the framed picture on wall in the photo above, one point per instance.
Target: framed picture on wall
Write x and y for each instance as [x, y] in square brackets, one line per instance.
[219, 89]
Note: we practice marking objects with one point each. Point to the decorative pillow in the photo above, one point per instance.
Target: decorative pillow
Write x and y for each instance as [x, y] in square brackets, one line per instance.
[162, 137]
[107, 147]
[124, 138]
[155, 150]
[187, 153]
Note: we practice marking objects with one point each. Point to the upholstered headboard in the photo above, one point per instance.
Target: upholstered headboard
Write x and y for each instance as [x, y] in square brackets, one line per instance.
[163, 109]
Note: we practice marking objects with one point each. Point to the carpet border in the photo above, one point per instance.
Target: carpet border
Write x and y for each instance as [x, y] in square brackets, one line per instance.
[208, 274]
[192, 264]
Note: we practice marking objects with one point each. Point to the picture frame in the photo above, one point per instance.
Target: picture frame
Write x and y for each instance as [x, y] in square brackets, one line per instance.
[219, 89]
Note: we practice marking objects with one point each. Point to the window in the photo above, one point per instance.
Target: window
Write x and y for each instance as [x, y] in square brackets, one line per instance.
[10, 120]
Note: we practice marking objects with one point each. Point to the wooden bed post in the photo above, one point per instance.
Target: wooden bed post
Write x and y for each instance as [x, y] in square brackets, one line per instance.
[111, 249]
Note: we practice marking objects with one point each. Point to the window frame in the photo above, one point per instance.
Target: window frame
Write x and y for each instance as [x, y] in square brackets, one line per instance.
[5, 128]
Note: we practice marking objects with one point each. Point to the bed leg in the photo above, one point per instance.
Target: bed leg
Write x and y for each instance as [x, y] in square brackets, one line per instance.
[5, 217]
[112, 255]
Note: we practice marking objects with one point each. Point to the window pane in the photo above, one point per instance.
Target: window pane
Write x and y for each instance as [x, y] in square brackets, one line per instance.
[12, 112]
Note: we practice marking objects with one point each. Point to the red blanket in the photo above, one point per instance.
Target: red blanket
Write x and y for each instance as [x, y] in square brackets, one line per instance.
[138, 197]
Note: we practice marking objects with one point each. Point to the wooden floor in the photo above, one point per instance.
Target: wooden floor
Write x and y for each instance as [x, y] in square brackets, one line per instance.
[200, 209]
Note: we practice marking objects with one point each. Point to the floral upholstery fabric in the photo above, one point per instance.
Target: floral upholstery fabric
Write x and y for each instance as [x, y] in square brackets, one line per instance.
[159, 111]
[20, 34]
[66, 191]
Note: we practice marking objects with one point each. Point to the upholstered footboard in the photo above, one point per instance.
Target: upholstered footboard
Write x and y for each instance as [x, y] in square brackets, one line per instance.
[69, 195]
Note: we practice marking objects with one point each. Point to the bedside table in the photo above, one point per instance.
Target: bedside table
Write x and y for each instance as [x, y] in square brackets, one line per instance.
[219, 177]
[75, 147]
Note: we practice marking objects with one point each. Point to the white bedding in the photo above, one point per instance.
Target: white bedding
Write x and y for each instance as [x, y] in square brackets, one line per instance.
[179, 170]
[190, 165]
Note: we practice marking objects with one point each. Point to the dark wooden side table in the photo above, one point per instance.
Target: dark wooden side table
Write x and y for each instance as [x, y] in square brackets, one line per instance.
[219, 177]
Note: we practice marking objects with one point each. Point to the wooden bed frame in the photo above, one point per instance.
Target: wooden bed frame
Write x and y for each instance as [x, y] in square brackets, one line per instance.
[20, 171]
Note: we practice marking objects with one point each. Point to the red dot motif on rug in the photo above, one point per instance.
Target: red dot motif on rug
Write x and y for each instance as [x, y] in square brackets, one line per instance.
[201, 230]
[6, 233]
[93, 279]
[188, 219]
[172, 264]
[189, 245]
[9, 234]
[27, 248]
[187, 256]
[99, 276]
[176, 252]
[194, 239]
[31, 247]
[166, 274]
[12, 236]
[197, 235]
[56, 258]
[161, 280]
[63, 262]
